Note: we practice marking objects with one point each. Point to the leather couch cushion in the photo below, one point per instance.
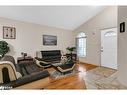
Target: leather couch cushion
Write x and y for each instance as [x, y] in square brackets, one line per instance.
[28, 69]
[32, 68]
[51, 53]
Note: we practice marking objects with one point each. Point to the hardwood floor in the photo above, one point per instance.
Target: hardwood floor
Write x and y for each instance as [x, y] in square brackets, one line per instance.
[73, 81]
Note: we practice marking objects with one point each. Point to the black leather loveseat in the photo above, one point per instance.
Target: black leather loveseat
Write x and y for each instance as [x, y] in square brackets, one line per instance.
[34, 73]
[51, 55]
[48, 57]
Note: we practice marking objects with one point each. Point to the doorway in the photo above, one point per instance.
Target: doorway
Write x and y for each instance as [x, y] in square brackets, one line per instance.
[109, 48]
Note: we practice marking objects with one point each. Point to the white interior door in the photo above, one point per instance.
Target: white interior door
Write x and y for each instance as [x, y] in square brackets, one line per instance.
[109, 48]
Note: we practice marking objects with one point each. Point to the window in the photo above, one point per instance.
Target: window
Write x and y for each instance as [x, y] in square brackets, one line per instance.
[81, 44]
[110, 34]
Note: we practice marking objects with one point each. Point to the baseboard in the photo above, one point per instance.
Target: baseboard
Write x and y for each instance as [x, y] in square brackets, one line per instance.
[87, 63]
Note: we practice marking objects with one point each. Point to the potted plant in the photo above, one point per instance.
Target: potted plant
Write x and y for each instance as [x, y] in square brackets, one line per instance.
[4, 48]
[71, 50]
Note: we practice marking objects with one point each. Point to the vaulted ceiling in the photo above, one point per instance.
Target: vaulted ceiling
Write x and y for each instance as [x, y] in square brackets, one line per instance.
[66, 17]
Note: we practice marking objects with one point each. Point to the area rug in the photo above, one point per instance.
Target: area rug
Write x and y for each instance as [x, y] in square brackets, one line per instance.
[56, 74]
[102, 78]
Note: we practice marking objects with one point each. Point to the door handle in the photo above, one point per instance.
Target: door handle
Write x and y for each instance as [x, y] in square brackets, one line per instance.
[102, 49]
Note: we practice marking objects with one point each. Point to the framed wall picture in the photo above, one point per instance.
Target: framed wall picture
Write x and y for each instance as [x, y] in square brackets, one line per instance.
[9, 32]
[122, 27]
[49, 40]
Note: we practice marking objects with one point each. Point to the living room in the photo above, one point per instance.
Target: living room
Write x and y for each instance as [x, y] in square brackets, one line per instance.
[31, 36]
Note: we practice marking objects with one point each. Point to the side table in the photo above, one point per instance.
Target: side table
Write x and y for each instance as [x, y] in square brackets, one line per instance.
[26, 60]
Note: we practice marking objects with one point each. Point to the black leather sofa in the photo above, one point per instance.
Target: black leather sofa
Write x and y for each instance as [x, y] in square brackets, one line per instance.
[48, 58]
[51, 56]
[32, 73]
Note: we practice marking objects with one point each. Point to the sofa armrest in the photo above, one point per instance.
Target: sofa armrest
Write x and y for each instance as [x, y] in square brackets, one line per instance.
[39, 62]
[65, 69]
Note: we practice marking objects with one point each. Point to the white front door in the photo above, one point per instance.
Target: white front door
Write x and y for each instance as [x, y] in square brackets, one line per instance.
[109, 48]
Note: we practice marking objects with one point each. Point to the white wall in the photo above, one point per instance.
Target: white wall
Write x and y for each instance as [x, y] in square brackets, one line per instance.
[29, 37]
[106, 19]
[122, 46]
